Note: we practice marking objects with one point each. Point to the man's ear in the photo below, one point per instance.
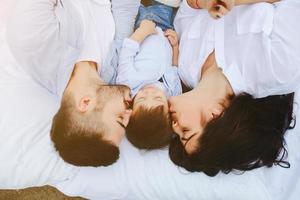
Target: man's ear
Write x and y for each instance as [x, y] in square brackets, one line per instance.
[84, 104]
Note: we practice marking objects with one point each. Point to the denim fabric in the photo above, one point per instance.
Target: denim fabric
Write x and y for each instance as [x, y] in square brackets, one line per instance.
[161, 14]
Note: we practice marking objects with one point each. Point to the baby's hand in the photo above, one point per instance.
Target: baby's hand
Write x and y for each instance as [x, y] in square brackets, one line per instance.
[219, 8]
[172, 37]
[147, 27]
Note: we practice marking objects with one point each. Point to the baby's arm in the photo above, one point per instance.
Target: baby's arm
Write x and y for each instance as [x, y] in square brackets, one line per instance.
[173, 39]
[145, 29]
[126, 70]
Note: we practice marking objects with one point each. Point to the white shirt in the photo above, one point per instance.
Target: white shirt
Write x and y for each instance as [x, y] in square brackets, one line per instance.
[257, 46]
[147, 63]
[47, 37]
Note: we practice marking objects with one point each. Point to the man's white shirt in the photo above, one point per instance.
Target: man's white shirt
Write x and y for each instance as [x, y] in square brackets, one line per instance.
[47, 37]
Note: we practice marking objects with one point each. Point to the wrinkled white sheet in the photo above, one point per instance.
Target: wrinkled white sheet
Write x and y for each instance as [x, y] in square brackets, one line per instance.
[28, 159]
[151, 175]
[27, 156]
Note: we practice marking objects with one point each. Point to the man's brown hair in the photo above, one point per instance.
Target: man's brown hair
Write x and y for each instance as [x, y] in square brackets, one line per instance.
[79, 139]
[149, 128]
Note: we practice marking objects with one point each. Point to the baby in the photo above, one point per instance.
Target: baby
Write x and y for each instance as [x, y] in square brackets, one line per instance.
[147, 64]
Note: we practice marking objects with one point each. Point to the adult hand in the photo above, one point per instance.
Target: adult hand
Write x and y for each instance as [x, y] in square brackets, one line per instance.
[219, 8]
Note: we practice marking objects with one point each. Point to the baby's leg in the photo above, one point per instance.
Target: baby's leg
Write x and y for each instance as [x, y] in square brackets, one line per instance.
[159, 13]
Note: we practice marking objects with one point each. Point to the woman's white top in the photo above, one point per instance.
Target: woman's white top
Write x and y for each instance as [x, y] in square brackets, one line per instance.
[257, 46]
[47, 37]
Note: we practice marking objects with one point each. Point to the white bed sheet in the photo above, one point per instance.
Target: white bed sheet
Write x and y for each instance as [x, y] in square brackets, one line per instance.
[28, 159]
[27, 156]
[151, 175]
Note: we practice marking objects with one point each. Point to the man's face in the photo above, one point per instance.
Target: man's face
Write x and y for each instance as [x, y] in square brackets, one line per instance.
[115, 113]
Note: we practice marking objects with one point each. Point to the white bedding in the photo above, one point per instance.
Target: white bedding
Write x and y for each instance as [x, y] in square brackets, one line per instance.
[151, 175]
[27, 157]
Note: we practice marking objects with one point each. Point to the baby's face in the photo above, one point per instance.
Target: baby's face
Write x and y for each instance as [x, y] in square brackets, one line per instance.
[150, 96]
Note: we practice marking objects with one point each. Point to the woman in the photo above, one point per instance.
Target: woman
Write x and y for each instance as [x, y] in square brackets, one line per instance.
[232, 64]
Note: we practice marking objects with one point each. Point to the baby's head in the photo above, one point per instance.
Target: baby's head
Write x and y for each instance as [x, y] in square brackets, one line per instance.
[150, 125]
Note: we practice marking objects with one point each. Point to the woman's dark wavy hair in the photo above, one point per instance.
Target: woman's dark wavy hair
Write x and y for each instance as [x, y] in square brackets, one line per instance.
[249, 135]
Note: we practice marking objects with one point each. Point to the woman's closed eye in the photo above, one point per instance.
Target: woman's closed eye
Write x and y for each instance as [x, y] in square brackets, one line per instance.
[186, 139]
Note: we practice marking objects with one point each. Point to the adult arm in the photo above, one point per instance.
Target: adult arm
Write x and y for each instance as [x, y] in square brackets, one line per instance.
[34, 22]
[219, 8]
[33, 35]
[199, 4]
[241, 2]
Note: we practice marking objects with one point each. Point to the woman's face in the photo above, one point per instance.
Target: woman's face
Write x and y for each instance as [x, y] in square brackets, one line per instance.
[189, 118]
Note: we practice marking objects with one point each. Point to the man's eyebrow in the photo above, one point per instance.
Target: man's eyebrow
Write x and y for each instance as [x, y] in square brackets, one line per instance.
[122, 125]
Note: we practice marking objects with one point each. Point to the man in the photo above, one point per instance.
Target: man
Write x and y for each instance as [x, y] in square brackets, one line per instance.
[63, 44]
